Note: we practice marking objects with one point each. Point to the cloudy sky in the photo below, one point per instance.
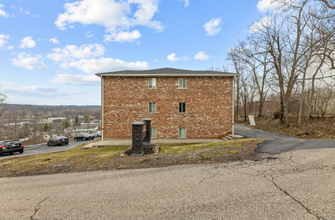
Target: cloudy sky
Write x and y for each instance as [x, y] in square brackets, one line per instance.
[50, 50]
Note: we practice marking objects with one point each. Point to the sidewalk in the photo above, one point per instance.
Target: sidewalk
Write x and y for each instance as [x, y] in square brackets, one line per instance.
[128, 142]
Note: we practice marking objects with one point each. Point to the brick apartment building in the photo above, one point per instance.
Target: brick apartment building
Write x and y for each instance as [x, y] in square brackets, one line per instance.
[181, 103]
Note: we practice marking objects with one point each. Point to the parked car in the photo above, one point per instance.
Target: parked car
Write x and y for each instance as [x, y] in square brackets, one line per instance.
[83, 136]
[58, 140]
[96, 134]
[11, 147]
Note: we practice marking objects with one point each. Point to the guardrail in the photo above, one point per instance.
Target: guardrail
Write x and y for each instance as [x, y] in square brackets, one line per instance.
[35, 145]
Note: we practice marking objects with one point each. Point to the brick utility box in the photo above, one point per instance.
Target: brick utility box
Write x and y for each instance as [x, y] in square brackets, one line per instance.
[137, 139]
[181, 103]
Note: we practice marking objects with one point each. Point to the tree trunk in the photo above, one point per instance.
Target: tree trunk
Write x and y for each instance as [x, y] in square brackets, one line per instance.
[260, 106]
[245, 103]
[302, 100]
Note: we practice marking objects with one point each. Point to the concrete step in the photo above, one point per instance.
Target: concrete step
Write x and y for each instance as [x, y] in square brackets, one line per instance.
[229, 137]
[235, 137]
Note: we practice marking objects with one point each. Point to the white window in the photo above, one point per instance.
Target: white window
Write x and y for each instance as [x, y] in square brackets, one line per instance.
[152, 83]
[182, 107]
[152, 106]
[182, 133]
[182, 83]
[153, 132]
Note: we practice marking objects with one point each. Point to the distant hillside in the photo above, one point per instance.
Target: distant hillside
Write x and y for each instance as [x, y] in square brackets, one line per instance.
[49, 107]
[45, 111]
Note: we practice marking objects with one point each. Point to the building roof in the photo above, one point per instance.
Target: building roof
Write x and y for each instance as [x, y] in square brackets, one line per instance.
[166, 72]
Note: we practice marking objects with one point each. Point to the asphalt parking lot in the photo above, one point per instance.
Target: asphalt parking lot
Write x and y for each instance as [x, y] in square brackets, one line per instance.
[46, 149]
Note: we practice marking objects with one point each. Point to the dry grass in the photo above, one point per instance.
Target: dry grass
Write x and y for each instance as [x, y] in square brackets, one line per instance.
[106, 158]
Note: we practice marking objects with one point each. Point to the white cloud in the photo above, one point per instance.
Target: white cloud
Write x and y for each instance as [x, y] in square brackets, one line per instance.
[82, 80]
[54, 40]
[26, 61]
[8, 84]
[3, 39]
[201, 56]
[2, 12]
[123, 36]
[38, 91]
[172, 57]
[212, 27]
[266, 5]
[10, 47]
[89, 34]
[104, 65]
[113, 14]
[263, 23]
[71, 52]
[186, 2]
[26, 12]
[270, 5]
[27, 42]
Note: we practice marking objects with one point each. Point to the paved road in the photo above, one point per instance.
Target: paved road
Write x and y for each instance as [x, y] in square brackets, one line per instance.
[292, 185]
[278, 143]
[46, 149]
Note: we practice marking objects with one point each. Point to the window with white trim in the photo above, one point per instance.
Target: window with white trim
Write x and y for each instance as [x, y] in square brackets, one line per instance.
[182, 107]
[152, 83]
[182, 133]
[153, 132]
[182, 83]
[152, 107]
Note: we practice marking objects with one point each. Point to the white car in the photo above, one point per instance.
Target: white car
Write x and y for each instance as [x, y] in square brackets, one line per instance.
[96, 134]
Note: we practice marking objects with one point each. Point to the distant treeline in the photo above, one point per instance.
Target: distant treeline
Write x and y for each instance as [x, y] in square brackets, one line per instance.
[49, 107]
[18, 111]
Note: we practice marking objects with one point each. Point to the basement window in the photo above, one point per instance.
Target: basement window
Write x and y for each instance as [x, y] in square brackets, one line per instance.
[182, 133]
[182, 83]
[152, 83]
[152, 107]
[182, 107]
[153, 132]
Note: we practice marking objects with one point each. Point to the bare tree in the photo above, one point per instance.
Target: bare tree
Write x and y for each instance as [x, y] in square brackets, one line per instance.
[239, 67]
[329, 3]
[257, 62]
[283, 39]
[3, 102]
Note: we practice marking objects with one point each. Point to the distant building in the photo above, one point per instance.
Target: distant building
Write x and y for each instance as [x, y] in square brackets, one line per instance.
[325, 75]
[52, 120]
[81, 118]
[89, 129]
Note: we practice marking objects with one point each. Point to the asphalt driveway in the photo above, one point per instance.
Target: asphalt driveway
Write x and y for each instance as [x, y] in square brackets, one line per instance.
[278, 143]
[292, 185]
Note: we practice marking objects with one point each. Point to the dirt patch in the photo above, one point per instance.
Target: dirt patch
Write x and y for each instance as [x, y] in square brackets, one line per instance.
[108, 158]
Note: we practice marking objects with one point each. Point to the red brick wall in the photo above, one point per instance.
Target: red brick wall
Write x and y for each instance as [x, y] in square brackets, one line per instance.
[209, 106]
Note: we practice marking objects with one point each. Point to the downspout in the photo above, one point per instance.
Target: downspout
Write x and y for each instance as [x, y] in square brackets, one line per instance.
[102, 106]
[233, 103]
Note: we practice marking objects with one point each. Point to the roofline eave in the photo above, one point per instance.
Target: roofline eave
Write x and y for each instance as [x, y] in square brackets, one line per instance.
[166, 75]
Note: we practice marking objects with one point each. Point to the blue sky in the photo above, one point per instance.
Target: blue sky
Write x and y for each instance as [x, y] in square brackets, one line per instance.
[50, 50]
